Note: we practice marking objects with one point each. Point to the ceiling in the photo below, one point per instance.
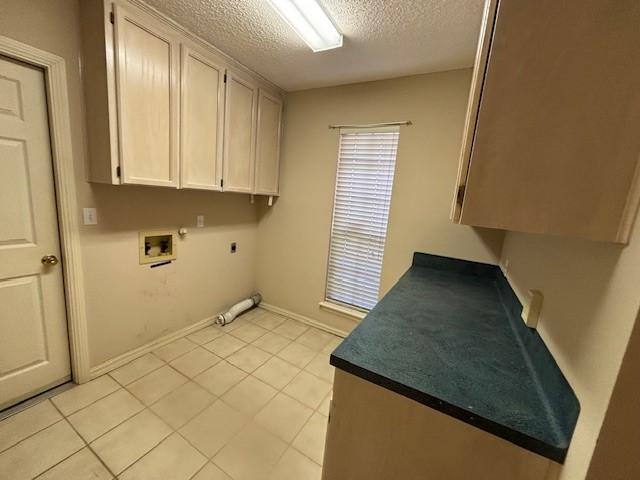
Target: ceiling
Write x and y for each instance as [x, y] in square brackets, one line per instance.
[382, 38]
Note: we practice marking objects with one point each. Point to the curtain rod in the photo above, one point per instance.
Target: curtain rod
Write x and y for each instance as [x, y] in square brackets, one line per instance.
[373, 125]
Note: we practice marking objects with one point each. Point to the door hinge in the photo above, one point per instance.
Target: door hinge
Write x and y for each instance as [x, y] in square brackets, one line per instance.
[118, 171]
[460, 194]
[225, 78]
[221, 183]
[112, 17]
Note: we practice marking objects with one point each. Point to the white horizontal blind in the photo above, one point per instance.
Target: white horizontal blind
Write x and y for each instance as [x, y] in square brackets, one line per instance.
[366, 164]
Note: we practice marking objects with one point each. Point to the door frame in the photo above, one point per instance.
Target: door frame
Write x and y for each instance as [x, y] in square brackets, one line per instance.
[66, 201]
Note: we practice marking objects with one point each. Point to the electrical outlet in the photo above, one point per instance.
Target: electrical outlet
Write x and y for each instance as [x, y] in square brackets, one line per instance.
[531, 308]
[505, 266]
[89, 216]
[200, 221]
[234, 247]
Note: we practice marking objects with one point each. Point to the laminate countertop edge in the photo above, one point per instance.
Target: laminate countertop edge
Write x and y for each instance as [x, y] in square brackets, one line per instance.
[411, 343]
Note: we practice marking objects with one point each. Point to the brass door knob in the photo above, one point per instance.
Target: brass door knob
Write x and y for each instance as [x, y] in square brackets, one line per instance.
[49, 260]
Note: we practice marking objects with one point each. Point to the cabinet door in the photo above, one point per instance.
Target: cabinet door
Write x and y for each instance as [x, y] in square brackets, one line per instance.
[201, 129]
[268, 144]
[556, 144]
[239, 134]
[147, 98]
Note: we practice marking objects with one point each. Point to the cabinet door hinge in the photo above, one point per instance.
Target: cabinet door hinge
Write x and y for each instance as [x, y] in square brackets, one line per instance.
[118, 171]
[112, 17]
[460, 195]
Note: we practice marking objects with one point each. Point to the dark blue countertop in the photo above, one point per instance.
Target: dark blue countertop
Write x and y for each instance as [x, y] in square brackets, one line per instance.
[449, 335]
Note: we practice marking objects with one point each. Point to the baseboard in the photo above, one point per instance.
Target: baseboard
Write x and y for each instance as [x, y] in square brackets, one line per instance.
[123, 359]
[120, 360]
[303, 319]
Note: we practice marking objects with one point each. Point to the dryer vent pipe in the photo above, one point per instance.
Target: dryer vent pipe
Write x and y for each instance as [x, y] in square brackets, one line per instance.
[240, 307]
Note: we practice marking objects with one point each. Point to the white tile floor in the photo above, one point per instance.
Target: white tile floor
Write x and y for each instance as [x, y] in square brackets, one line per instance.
[248, 401]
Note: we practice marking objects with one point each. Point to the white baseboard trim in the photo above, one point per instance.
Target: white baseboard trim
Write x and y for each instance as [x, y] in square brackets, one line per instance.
[112, 364]
[303, 319]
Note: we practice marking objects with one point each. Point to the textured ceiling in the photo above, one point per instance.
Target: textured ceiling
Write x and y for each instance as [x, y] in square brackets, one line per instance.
[382, 38]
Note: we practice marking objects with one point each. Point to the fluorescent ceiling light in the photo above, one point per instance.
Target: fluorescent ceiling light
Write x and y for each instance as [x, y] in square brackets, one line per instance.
[310, 22]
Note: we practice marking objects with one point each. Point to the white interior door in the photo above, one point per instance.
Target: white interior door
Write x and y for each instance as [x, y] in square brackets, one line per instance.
[34, 349]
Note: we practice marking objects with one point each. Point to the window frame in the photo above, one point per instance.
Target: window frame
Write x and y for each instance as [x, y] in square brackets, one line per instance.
[337, 306]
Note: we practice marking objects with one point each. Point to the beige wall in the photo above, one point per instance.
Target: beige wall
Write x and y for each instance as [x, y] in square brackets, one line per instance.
[129, 305]
[591, 297]
[616, 455]
[591, 300]
[294, 233]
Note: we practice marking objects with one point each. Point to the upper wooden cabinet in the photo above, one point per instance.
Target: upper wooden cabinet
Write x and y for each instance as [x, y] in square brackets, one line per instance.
[164, 108]
[551, 142]
[202, 108]
[147, 83]
[268, 144]
[240, 134]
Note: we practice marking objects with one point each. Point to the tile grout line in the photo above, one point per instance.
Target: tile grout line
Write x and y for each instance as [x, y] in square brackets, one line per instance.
[87, 445]
[214, 397]
[300, 451]
[64, 417]
[177, 431]
[209, 459]
[135, 380]
[115, 426]
[252, 418]
[314, 410]
[225, 359]
[203, 466]
[30, 436]
[222, 469]
[153, 447]
[34, 433]
[144, 407]
[28, 403]
[196, 345]
[173, 430]
[163, 396]
[63, 459]
[92, 403]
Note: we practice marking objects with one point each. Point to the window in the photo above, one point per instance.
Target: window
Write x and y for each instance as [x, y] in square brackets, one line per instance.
[366, 163]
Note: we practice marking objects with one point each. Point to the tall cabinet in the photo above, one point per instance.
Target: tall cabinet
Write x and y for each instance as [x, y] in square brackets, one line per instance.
[166, 109]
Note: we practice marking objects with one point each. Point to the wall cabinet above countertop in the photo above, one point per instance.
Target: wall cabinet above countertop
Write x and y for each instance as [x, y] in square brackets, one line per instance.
[165, 108]
[551, 142]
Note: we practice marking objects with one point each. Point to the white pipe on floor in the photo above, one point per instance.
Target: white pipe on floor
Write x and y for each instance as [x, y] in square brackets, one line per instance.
[237, 309]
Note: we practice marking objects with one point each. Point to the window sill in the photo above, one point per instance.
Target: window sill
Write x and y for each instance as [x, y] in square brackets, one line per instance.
[351, 313]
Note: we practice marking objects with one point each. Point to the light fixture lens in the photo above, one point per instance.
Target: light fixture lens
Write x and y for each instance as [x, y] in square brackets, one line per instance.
[310, 22]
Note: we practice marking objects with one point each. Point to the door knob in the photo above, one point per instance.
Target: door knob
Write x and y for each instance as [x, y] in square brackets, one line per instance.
[49, 260]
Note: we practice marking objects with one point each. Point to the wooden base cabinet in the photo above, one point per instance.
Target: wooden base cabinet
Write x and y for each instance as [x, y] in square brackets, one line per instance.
[376, 434]
[551, 142]
[165, 108]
